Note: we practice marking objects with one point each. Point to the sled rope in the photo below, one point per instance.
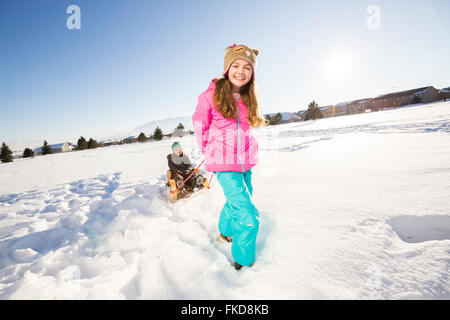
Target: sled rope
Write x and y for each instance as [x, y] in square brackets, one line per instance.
[209, 182]
[193, 171]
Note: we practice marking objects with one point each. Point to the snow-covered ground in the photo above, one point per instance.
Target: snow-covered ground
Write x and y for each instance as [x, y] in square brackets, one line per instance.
[354, 207]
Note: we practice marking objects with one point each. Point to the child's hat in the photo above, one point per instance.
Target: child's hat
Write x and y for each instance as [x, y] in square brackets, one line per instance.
[175, 145]
[234, 52]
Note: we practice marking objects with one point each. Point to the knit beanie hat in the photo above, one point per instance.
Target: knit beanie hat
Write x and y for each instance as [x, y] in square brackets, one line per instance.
[175, 145]
[234, 52]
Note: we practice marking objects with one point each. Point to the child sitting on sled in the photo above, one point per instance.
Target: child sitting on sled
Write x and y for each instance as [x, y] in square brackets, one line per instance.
[180, 167]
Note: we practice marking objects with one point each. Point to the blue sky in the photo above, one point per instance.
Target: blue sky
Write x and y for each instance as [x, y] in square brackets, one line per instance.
[139, 60]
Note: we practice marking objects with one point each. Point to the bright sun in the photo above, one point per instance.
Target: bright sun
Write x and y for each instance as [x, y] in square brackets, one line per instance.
[337, 67]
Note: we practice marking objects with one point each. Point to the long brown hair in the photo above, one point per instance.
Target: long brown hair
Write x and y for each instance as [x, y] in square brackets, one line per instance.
[226, 104]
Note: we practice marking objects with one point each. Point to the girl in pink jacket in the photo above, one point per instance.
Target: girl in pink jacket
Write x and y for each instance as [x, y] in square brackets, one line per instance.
[222, 121]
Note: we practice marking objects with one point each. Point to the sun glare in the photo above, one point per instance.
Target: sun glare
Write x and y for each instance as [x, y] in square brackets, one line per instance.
[337, 67]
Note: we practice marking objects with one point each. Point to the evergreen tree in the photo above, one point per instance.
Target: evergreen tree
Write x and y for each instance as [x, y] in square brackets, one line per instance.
[267, 117]
[313, 112]
[276, 119]
[46, 149]
[142, 137]
[82, 143]
[179, 131]
[5, 153]
[157, 134]
[92, 144]
[28, 153]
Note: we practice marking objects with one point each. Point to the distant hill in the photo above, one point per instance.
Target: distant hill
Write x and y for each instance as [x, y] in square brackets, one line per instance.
[166, 125]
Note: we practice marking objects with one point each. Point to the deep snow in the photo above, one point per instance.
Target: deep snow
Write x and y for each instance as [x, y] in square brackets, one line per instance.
[353, 207]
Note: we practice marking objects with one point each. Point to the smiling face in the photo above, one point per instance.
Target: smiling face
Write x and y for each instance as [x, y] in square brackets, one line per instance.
[178, 151]
[239, 74]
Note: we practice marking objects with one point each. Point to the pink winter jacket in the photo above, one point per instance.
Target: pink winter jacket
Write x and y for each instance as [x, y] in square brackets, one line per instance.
[227, 144]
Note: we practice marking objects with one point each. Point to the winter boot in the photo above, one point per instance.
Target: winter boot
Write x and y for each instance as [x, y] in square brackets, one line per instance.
[185, 195]
[238, 266]
[221, 237]
[200, 182]
[182, 189]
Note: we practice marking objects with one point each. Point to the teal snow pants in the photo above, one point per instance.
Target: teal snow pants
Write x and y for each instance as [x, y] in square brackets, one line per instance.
[239, 217]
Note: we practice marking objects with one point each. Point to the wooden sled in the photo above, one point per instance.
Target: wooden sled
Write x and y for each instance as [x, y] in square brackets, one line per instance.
[174, 193]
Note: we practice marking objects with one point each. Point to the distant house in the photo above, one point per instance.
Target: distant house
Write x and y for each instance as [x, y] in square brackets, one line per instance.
[401, 98]
[341, 108]
[445, 93]
[293, 118]
[57, 148]
[381, 102]
[428, 94]
[130, 139]
[357, 106]
[385, 101]
[107, 143]
[331, 110]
